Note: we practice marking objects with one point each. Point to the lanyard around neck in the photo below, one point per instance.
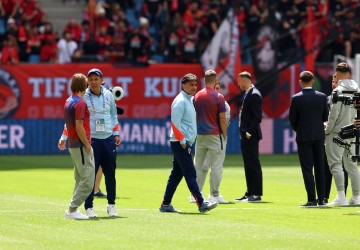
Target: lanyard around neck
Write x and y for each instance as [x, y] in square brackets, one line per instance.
[92, 102]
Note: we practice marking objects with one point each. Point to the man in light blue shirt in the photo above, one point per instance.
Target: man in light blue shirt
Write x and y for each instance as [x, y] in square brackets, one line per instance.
[182, 136]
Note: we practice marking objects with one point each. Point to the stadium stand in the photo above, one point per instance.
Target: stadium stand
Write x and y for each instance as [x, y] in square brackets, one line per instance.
[143, 31]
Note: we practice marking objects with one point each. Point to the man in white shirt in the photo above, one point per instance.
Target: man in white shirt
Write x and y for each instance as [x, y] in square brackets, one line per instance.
[66, 48]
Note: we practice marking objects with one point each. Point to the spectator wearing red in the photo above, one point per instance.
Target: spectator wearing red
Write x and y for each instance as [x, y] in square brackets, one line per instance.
[116, 51]
[31, 11]
[10, 8]
[48, 51]
[33, 44]
[190, 13]
[101, 20]
[48, 32]
[104, 40]
[74, 28]
[10, 51]
[22, 39]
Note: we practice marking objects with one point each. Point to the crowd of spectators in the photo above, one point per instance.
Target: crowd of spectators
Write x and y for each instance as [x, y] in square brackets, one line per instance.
[139, 31]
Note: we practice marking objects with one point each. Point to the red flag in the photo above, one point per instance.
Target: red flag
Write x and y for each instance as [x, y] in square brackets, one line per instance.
[310, 41]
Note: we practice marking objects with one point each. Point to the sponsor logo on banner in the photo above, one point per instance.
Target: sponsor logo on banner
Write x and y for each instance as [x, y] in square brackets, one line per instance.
[9, 94]
[149, 92]
[142, 136]
[12, 136]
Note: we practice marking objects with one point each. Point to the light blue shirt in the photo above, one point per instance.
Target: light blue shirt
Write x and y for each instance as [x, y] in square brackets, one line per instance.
[183, 117]
[101, 108]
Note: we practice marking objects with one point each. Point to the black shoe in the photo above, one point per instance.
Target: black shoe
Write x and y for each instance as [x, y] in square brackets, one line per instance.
[309, 204]
[326, 201]
[321, 203]
[242, 198]
[253, 199]
[100, 194]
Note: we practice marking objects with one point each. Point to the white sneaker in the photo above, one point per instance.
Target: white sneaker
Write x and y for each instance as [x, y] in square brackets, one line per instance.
[354, 200]
[111, 210]
[75, 215]
[338, 202]
[192, 198]
[90, 212]
[218, 199]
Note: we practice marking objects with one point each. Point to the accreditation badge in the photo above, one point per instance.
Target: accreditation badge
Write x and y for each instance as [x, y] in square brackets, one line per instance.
[100, 125]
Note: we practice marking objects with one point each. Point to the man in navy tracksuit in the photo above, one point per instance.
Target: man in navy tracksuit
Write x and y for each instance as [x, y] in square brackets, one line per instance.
[182, 136]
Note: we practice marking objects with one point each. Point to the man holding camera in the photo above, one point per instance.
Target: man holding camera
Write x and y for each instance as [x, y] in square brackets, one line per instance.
[342, 115]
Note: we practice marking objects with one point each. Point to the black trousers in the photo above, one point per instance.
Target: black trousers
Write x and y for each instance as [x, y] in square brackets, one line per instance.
[105, 156]
[252, 166]
[183, 166]
[311, 155]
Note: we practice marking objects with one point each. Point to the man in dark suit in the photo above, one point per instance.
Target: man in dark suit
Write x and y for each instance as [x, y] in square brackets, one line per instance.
[308, 113]
[250, 135]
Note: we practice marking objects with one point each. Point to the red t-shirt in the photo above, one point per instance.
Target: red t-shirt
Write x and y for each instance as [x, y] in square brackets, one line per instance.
[76, 109]
[208, 104]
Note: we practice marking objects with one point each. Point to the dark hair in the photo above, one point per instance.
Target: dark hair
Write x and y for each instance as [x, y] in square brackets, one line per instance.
[188, 77]
[306, 76]
[343, 68]
[78, 83]
[220, 84]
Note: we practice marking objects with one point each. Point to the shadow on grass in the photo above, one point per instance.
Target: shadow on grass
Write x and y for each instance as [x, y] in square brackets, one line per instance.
[257, 202]
[192, 213]
[318, 207]
[117, 197]
[350, 214]
[109, 218]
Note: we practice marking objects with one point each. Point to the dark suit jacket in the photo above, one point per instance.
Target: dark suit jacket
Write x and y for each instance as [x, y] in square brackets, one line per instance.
[308, 112]
[252, 114]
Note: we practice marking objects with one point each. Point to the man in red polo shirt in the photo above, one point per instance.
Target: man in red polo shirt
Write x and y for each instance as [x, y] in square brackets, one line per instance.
[77, 118]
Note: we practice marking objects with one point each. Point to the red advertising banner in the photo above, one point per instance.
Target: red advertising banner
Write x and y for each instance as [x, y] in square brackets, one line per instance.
[40, 91]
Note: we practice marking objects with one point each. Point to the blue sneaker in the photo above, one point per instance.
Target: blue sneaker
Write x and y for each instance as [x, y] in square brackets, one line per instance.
[168, 209]
[207, 206]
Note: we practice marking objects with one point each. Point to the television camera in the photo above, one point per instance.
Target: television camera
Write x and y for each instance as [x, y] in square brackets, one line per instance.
[118, 94]
[352, 99]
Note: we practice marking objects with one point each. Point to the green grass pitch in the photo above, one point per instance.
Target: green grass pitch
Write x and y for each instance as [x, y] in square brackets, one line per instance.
[35, 192]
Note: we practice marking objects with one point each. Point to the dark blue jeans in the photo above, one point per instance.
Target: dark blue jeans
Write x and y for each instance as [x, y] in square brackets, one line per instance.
[183, 166]
[105, 156]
